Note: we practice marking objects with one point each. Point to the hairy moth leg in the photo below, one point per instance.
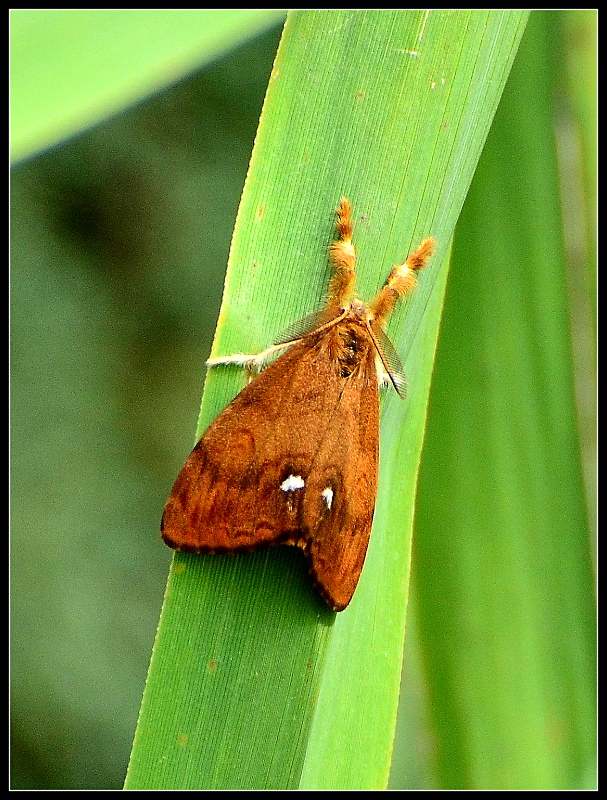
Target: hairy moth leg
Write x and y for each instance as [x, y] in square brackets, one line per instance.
[342, 254]
[400, 282]
[252, 363]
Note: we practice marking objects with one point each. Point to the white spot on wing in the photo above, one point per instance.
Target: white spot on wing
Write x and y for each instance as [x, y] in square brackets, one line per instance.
[328, 496]
[292, 483]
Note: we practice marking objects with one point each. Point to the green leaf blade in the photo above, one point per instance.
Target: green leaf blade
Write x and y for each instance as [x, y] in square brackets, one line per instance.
[356, 106]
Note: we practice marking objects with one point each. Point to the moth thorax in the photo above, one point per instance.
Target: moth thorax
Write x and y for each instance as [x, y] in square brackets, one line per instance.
[351, 347]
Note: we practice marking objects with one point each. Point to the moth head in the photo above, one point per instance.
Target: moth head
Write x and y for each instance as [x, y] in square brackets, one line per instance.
[359, 311]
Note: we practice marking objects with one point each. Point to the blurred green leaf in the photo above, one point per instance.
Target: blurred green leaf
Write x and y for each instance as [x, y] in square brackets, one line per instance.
[503, 576]
[71, 68]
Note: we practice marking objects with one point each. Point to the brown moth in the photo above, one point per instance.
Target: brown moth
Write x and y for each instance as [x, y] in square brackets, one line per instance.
[294, 458]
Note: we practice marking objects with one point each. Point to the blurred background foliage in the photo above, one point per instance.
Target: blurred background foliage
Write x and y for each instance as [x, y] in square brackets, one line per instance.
[119, 241]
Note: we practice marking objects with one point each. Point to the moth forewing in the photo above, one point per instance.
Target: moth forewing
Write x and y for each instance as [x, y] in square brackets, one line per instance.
[294, 458]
